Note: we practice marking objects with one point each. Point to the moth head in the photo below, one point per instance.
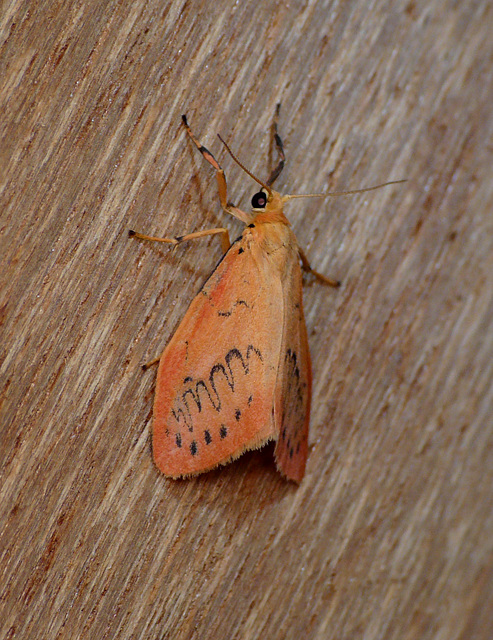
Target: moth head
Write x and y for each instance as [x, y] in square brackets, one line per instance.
[260, 200]
[267, 201]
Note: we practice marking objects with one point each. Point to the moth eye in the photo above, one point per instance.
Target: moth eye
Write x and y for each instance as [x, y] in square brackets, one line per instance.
[259, 200]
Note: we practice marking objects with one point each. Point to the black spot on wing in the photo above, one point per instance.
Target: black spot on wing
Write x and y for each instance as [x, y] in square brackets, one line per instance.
[238, 303]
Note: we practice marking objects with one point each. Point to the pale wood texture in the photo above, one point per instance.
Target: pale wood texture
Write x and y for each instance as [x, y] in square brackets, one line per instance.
[390, 535]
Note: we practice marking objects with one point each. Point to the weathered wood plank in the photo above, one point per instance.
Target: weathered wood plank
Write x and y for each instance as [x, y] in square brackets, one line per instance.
[389, 535]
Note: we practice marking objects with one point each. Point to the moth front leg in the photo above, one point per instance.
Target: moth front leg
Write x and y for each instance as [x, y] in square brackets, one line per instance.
[229, 207]
[277, 140]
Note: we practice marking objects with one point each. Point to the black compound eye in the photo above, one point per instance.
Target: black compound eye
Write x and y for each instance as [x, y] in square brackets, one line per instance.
[259, 200]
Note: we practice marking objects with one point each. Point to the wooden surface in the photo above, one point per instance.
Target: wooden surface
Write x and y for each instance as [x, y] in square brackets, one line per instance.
[390, 535]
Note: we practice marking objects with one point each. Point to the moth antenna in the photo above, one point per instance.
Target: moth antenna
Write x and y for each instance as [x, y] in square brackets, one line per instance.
[342, 193]
[262, 184]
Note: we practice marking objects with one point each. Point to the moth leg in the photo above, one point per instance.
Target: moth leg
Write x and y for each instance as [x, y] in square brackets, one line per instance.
[229, 207]
[276, 171]
[225, 242]
[151, 363]
[306, 267]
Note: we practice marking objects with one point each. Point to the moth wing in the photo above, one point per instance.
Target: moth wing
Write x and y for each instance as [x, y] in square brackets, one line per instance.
[217, 376]
[294, 383]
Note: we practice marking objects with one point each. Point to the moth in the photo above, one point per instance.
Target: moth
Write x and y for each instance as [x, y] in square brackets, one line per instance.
[237, 374]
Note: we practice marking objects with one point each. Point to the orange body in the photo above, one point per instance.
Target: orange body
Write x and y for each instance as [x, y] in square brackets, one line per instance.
[236, 373]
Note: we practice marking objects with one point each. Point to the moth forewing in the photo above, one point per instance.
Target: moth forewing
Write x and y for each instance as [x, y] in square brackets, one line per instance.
[294, 379]
[217, 376]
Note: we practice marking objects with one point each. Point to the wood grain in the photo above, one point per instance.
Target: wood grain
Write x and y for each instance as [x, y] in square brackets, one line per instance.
[390, 534]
